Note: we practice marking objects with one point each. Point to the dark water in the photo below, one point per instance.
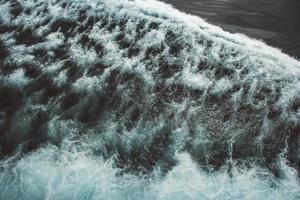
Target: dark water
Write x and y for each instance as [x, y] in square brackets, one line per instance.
[277, 22]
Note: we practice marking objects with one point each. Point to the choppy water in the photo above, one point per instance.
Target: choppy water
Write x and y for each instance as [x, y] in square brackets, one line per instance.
[114, 99]
[276, 22]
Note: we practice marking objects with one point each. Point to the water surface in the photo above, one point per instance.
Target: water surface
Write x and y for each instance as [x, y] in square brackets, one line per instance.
[123, 99]
[277, 22]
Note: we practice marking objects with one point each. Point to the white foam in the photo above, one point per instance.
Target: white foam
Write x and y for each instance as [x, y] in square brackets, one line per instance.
[17, 78]
[194, 80]
[77, 175]
[72, 171]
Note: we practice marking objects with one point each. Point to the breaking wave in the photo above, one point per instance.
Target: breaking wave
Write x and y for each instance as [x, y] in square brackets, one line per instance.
[132, 99]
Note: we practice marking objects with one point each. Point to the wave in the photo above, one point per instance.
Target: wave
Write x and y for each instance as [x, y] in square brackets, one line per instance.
[61, 173]
[107, 99]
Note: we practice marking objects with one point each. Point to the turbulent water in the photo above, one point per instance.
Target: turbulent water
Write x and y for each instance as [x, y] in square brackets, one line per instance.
[276, 22]
[132, 99]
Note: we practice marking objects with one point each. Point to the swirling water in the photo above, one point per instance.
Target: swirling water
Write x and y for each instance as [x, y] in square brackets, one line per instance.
[109, 99]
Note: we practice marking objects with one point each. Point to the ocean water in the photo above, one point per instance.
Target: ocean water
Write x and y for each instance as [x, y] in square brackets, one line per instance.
[275, 22]
[134, 99]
